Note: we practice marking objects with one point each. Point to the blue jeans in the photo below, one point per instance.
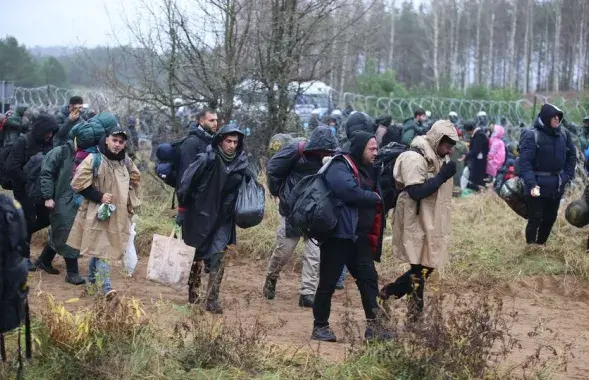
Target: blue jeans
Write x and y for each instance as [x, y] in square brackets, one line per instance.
[342, 277]
[101, 268]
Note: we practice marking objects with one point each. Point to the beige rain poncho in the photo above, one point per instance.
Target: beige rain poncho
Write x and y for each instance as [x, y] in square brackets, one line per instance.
[424, 238]
[105, 239]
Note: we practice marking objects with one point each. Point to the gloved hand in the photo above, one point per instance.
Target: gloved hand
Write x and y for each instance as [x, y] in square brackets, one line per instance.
[180, 218]
[447, 170]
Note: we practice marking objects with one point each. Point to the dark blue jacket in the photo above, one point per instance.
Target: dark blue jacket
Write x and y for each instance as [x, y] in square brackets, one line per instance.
[350, 196]
[549, 163]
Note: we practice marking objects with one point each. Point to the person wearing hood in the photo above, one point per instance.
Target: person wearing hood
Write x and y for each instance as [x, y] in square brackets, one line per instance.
[15, 126]
[496, 156]
[208, 192]
[357, 242]
[284, 171]
[482, 121]
[584, 134]
[106, 179]
[546, 165]
[358, 121]
[454, 118]
[421, 220]
[38, 140]
[200, 136]
[60, 200]
[478, 151]
[68, 116]
[414, 126]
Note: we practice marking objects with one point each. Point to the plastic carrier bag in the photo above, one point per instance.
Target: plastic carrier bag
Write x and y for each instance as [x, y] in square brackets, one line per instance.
[251, 200]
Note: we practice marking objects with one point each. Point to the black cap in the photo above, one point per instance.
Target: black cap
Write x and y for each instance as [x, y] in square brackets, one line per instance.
[119, 132]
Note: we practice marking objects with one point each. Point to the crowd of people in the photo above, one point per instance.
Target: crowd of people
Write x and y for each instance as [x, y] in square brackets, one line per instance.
[88, 192]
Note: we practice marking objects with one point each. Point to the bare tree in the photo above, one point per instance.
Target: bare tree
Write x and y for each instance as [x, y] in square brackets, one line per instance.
[582, 46]
[556, 50]
[478, 49]
[392, 34]
[511, 48]
[490, 59]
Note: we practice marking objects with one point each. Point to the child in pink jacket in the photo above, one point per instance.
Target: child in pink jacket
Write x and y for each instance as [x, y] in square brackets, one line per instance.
[496, 156]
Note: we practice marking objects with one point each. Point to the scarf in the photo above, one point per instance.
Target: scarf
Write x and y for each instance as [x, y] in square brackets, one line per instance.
[226, 157]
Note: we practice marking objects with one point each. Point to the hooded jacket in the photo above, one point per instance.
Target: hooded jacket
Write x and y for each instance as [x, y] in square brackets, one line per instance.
[358, 121]
[496, 156]
[411, 129]
[28, 145]
[422, 233]
[359, 200]
[14, 126]
[208, 191]
[196, 143]
[290, 164]
[65, 125]
[477, 157]
[549, 163]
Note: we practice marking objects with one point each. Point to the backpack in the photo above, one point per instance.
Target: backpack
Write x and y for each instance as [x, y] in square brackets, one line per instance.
[313, 210]
[387, 157]
[168, 155]
[14, 308]
[280, 140]
[6, 181]
[32, 172]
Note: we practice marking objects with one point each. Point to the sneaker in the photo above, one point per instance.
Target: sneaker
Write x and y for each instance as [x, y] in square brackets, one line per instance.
[47, 268]
[213, 307]
[75, 279]
[323, 334]
[111, 294]
[306, 300]
[270, 288]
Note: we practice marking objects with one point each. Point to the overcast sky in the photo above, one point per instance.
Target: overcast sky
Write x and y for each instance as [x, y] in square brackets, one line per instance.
[72, 23]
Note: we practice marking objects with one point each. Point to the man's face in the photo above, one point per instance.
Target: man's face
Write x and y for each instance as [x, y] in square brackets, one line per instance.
[445, 148]
[209, 121]
[48, 136]
[229, 144]
[555, 121]
[586, 124]
[370, 152]
[77, 107]
[116, 144]
[421, 118]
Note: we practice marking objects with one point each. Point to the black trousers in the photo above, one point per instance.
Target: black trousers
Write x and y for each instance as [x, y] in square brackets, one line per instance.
[542, 213]
[411, 282]
[36, 216]
[359, 259]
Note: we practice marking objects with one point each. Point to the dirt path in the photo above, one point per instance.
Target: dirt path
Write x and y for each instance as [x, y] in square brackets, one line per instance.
[558, 307]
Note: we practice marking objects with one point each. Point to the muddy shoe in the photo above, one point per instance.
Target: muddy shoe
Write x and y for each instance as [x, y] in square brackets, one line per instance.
[213, 307]
[306, 300]
[111, 294]
[270, 288]
[46, 268]
[75, 279]
[323, 334]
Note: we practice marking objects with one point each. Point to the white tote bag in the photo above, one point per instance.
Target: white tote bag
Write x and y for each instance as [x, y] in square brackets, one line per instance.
[170, 261]
[130, 256]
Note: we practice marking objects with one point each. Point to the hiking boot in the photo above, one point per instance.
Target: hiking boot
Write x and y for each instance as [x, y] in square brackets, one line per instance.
[213, 307]
[377, 332]
[270, 288]
[47, 268]
[75, 279]
[323, 334]
[306, 300]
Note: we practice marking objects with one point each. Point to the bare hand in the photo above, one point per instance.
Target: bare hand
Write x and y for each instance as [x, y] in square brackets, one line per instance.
[107, 198]
[74, 115]
[50, 204]
[535, 192]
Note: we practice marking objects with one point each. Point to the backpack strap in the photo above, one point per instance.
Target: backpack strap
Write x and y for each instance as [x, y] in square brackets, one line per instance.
[353, 166]
[301, 149]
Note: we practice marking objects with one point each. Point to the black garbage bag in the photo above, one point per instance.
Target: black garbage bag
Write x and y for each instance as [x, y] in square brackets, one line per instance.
[512, 192]
[249, 208]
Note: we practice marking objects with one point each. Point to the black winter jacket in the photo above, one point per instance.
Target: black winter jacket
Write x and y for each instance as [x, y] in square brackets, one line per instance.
[477, 157]
[208, 192]
[195, 144]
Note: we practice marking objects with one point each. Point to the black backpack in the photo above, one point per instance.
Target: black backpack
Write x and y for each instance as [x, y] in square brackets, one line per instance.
[313, 210]
[167, 167]
[14, 308]
[32, 172]
[5, 180]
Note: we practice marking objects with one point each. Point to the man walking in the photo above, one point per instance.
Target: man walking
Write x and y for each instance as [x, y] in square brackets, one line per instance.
[285, 169]
[357, 242]
[421, 220]
[208, 193]
[105, 179]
